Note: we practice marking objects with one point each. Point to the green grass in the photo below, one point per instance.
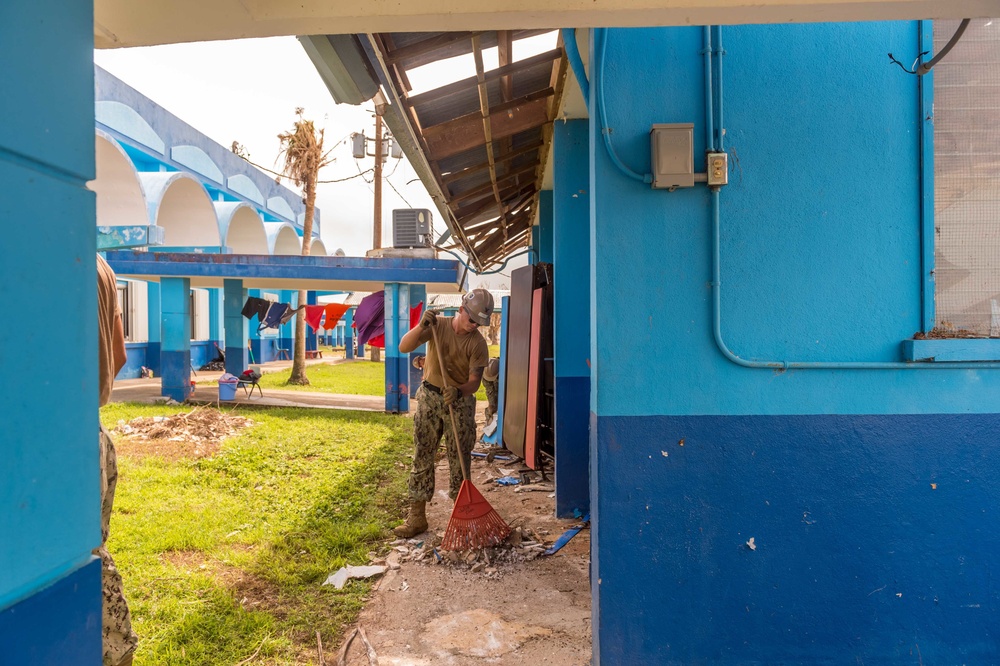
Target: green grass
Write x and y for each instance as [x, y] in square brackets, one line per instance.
[225, 556]
[358, 377]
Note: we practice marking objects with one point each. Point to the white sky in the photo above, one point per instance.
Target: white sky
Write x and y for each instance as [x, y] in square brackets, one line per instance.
[248, 90]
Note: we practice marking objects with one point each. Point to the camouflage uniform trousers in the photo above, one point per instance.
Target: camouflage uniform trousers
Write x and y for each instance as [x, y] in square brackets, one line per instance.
[119, 641]
[492, 394]
[429, 424]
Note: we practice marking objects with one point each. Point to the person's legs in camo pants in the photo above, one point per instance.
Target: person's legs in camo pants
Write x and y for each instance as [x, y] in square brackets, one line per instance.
[492, 395]
[119, 641]
[431, 421]
[465, 424]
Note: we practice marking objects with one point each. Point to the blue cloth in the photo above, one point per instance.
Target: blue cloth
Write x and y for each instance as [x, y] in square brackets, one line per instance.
[274, 316]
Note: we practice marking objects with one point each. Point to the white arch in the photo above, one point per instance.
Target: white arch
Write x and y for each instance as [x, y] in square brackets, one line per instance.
[241, 228]
[120, 197]
[318, 248]
[180, 204]
[282, 239]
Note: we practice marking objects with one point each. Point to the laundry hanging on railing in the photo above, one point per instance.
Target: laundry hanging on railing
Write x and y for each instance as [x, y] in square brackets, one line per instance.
[255, 306]
[275, 313]
[415, 312]
[369, 318]
[334, 311]
[313, 315]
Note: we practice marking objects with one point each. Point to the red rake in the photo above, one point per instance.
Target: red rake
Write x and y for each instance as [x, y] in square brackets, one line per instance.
[473, 523]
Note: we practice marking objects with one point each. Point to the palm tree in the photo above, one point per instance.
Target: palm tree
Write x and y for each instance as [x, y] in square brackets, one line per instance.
[302, 148]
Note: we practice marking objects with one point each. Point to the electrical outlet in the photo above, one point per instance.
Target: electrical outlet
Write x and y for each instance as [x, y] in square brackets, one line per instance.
[718, 169]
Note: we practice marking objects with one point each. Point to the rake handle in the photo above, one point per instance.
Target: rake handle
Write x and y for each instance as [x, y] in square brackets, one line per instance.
[451, 411]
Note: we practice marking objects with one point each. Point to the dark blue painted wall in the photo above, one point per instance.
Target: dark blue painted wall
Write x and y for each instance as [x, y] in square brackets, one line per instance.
[873, 536]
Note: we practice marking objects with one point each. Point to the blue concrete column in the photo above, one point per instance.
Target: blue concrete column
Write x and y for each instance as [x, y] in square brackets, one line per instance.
[216, 310]
[570, 205]
[50, 601]
[175, 354]
[418, 294]
[153, 319]
[397, 322]
[234, 296]
[542, 233]
[312, 342]
[286, 332]
[256, 350]
[348, 319]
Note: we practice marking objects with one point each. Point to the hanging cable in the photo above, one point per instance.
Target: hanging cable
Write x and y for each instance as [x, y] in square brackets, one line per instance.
[925, 67]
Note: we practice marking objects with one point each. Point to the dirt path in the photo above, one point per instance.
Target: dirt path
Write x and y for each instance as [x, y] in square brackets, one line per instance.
[526, 612]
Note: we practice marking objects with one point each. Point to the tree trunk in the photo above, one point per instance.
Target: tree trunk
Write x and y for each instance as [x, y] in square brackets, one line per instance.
[298, 375]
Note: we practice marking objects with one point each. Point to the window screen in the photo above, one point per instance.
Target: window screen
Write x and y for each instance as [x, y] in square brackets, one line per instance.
[967, 180]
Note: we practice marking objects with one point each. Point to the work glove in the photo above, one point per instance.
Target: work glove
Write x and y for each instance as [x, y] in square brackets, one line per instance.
[451, 394]
[429, 318]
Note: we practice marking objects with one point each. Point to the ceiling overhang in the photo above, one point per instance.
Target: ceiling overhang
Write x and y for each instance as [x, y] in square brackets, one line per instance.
[120, 23]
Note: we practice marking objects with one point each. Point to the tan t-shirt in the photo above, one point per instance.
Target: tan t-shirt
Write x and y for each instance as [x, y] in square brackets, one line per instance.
[460, 353]
[107, 311]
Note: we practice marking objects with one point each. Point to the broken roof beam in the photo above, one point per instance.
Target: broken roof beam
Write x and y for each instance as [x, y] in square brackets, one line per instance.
[488, 187]
[473, 81]
[454, 136]
[453, 176]
[484, 107]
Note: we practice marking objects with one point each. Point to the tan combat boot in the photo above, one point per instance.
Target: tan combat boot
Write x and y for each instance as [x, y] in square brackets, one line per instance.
[415, 523]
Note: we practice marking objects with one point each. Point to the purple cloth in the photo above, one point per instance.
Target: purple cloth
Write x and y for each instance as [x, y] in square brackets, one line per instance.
[369, 318]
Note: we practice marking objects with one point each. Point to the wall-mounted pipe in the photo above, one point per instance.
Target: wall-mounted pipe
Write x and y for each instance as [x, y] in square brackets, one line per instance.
[576, 62]
[716, 215]
[600, 43]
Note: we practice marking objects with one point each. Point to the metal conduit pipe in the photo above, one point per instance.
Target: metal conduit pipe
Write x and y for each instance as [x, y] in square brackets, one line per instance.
[717, 280]
[709, 92]
[576, 62]
[600, 42]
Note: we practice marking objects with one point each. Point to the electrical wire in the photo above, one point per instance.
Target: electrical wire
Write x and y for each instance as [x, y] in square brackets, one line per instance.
[408, 204]
[923, 68]
[341, 180]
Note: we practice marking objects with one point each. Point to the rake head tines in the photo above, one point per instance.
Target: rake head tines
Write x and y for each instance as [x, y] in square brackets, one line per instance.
[474, 523]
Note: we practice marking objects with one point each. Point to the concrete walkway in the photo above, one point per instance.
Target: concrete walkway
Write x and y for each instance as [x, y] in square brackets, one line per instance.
[206, 391]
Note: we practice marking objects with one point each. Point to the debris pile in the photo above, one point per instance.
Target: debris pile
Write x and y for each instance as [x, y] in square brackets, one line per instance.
[202, 424]
[523, 545]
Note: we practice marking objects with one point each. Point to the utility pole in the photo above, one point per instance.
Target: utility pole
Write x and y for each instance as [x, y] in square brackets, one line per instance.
[377, 240]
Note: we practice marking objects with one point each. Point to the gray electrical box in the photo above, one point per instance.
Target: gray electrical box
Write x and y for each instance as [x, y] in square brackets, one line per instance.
[672, 148]
[411, 227]
[359, 144]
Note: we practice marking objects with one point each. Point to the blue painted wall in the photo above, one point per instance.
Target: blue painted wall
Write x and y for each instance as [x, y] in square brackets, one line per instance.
[49, 496]
[820, 252]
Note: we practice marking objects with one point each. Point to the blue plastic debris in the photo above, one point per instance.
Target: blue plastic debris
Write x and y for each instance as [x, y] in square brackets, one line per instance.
[567, 535]
[480, 454]
[508, 481]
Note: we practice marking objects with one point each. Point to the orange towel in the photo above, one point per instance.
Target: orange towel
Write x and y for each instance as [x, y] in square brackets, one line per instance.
[334, 311]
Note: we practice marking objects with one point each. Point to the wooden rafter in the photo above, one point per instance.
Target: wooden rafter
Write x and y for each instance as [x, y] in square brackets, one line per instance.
[487, 187]
[455, 136]
[449, 178]
[425, 46]
[484, 107]
[472, 82]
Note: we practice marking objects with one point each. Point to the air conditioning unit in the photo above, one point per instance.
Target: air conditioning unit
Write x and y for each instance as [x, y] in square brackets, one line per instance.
[411, 227]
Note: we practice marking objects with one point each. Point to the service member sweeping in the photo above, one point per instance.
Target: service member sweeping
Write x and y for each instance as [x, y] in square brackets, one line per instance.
[462, 352]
